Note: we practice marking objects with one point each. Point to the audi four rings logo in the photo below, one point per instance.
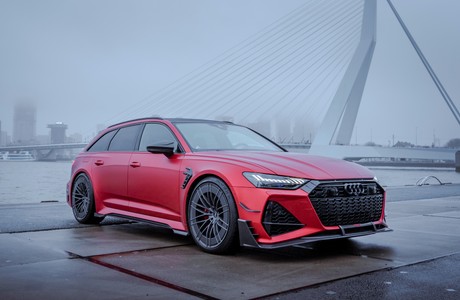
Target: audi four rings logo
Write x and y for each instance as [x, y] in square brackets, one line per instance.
[354, 189]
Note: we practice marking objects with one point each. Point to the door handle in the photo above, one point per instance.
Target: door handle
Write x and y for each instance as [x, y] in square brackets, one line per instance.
[99, 162]
[135, 164]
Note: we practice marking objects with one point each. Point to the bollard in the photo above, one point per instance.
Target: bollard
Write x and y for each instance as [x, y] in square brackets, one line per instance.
[457, 161]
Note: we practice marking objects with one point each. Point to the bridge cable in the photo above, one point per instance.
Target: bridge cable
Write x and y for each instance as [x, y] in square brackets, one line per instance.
[434, 77]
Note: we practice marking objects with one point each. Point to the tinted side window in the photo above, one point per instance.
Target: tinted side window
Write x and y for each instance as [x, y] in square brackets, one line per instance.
[103, 142]
[125, 139]
[155, 134]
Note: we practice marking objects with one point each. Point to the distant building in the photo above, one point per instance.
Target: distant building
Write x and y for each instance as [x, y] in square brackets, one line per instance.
[24, 123]
[58, 135]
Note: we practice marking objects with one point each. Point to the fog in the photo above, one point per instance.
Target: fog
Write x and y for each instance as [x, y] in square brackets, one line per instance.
[85, 63]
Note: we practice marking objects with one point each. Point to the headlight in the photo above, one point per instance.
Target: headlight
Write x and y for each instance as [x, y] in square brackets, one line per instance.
[268, 181]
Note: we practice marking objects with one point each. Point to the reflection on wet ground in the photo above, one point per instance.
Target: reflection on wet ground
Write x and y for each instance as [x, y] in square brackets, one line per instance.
[156, 262]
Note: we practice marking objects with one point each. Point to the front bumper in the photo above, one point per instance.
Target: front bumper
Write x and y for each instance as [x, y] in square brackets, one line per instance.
[320, 210]
[247, 238]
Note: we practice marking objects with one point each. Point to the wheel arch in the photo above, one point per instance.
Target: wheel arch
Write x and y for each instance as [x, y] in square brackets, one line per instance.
[72, 182]
[210, 237]
[193, 184]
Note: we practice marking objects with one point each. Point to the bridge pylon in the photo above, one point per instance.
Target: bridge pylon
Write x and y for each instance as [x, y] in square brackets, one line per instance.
[339, 121]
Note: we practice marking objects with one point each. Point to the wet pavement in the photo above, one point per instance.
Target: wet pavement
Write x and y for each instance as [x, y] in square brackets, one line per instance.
[45, 254]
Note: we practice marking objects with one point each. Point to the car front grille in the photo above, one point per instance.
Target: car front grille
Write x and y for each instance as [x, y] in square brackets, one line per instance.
[347, 203]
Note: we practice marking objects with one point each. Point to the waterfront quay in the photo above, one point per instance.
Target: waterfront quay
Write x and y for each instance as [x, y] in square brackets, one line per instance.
[46, 254]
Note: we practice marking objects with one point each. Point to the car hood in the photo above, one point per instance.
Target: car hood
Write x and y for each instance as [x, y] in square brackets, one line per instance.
[291, 164]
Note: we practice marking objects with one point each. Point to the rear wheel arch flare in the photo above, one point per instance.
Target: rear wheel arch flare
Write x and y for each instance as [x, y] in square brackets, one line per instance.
[74, 179]
[84, 209]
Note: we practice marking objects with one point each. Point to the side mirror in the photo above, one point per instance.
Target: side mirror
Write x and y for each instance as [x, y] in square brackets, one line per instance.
[167, 149]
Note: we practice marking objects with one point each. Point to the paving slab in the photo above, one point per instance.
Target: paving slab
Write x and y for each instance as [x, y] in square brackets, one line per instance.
[42, 216]
[19, 251]
[77, 279]
[247, 274]
[113, 260]
[99, 240]
[429, 224]
[451, 214]
[405, 247]
[435, 279]
[421, 207]
[404, 193]
[423, 230]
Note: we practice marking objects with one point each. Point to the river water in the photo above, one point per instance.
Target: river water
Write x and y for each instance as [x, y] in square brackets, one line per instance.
[35, 181]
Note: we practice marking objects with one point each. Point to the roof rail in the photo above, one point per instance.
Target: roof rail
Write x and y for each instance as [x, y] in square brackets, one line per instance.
[178, 120]
[138, 119]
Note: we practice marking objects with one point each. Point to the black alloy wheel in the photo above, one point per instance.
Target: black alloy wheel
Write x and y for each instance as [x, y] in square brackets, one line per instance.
[83, 206]
[212, 217]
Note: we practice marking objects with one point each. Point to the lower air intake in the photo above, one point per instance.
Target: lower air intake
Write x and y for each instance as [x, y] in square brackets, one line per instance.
[277, 220]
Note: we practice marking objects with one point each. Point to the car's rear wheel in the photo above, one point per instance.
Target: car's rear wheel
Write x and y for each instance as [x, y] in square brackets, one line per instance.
[83, 205]
[212, 217]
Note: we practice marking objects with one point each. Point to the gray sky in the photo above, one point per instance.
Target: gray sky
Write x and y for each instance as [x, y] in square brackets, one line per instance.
[84, 62]
[400, 97]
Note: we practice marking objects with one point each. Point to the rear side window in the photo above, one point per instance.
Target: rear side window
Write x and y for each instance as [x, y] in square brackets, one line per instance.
[125, 139]
[156, 134]
[102, 144]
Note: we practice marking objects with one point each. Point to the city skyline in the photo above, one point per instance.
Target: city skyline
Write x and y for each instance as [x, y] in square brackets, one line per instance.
[57, 133]
[25, 129]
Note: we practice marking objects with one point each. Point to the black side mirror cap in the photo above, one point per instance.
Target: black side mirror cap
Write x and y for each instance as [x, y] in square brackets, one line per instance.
[167, 149]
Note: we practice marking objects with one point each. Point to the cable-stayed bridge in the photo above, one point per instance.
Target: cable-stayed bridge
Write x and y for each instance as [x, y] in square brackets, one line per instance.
[293, 65]
[304, 73]
[299, 79]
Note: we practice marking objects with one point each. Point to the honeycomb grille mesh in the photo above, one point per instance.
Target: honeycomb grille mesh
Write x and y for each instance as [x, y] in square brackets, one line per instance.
[347, 203]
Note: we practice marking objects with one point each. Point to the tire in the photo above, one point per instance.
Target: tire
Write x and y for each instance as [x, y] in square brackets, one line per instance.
[212, 217]
[83, 206]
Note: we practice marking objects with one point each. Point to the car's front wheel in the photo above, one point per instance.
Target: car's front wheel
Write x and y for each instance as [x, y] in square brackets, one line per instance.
[212, 217]
[83, 205]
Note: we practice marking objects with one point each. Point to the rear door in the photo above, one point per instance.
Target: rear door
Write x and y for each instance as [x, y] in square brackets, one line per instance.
[153, 179]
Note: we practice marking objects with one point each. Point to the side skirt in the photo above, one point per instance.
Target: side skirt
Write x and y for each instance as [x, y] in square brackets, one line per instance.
[153, 223]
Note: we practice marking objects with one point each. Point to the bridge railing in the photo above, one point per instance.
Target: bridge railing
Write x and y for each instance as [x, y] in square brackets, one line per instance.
[43, 147]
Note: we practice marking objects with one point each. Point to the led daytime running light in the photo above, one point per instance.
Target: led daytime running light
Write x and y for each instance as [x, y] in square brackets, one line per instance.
[286, 180]
[274, 181]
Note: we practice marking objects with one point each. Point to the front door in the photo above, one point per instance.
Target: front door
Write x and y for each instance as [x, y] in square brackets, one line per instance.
[153, 179]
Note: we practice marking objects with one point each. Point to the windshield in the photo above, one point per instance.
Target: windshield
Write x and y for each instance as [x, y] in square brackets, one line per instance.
[223, 136]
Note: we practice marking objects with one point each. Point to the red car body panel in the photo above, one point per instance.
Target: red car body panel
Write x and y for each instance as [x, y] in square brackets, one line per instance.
[154, 185]
[291, 164]
[112, 190]
[150, 187]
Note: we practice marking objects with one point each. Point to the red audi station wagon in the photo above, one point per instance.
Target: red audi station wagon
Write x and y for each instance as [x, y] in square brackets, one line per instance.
[223, 184]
